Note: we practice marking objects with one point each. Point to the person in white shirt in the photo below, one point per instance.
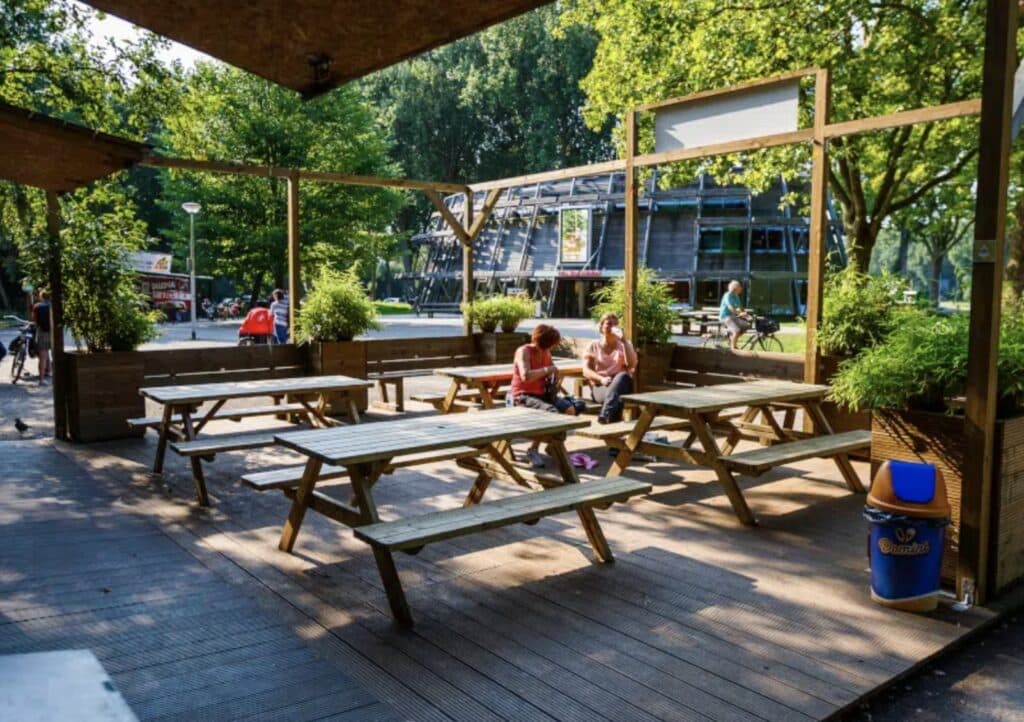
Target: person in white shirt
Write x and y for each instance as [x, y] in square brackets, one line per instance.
[280, 310]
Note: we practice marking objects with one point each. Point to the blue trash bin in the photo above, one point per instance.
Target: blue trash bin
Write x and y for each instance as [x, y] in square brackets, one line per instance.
[908, 512]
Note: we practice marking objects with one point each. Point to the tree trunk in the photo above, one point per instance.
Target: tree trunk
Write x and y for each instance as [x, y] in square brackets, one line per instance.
[933, 282]
[257, 286]
[1015, 264]
[859, 243]
[901, 258]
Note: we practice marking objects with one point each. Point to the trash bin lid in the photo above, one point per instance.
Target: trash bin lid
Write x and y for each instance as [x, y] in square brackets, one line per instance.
[914, 489]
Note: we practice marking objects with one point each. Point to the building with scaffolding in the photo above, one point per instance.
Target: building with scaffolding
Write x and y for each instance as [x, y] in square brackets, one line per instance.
[560, 241]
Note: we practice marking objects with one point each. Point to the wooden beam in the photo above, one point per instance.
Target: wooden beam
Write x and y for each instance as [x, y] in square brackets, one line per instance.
[738, 88]
[930, 114]
[611, 166]
[632, 216]
[485, 213]
[453, 222]
[986, 294]
[56, 280]
[265, 171]
[294, 263]
[467, 267]
[818, 232]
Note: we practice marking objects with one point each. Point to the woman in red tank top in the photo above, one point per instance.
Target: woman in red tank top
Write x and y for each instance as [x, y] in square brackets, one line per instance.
[533, 374]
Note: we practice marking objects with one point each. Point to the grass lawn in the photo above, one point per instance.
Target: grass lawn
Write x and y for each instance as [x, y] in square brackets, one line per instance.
[386, 309]
[792, 342]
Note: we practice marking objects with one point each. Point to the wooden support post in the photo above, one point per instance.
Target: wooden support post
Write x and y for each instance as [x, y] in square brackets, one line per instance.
[632, 214]
[986, 294]
[818, 232]
[294, 269]
[60, 364]
[467, 264]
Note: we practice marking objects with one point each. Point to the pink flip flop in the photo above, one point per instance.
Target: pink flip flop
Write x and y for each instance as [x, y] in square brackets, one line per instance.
[582, 460]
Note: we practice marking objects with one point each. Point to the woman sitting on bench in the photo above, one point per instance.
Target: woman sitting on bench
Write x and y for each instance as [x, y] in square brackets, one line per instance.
[535, 382]
[609, 366]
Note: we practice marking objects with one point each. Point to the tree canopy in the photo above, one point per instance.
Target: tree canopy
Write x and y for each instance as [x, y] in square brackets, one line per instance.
[885, 56]
[226, 114]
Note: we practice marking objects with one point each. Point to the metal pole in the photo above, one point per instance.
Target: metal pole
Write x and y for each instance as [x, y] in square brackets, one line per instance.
[192, 269]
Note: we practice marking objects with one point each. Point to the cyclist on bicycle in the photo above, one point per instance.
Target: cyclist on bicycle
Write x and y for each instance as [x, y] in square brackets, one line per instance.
[732, 314]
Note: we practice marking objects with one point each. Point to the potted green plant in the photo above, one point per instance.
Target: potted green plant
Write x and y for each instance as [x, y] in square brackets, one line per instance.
[513, 311]
[653, 310]
[333, 313]
[485, 312]
[911, 382]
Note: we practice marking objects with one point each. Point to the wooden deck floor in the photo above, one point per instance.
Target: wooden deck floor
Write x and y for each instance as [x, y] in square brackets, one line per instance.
[700, 618]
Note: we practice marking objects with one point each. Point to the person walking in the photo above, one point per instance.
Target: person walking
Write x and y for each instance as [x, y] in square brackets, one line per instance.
[280, 310]
[41, 318]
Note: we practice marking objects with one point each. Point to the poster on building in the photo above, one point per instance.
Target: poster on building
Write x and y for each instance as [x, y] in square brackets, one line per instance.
[574, 235]
[149, 262]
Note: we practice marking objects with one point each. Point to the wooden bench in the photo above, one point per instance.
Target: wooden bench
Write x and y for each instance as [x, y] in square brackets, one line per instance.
[431, 308]
[758, 461]
[209, 445]
[389, 364]
[623, 428]
[289, 477]
[153, 422]
[413, 533]
[464, 401]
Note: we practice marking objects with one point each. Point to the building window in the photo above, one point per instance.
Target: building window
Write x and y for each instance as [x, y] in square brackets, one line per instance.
[727, 241]
[767, 240]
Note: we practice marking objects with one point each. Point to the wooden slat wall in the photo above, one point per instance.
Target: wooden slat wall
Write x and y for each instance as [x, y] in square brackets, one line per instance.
[178, 362]
[712, 362]
[1008, 493]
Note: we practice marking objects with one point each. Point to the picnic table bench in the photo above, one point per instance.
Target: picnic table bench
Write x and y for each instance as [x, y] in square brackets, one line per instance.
[484, 386]
[366, 452]
[389, 369]
[181, 420]
[702, 407]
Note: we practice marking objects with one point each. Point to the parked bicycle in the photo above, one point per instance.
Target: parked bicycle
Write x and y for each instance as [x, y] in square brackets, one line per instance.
[760, 337]
[21, 347]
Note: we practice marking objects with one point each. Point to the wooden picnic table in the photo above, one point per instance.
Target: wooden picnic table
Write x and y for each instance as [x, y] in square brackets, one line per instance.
[485, 382]
[366, 451]
[702, 407]
[182, 419]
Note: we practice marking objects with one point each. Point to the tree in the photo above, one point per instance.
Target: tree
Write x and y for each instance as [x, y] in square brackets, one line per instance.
[937, 223]
[229, 115]
[48, 64]
[885, 56]
[500, 103]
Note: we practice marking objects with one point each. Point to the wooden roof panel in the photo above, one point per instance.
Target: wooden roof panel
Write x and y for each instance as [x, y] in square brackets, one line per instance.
[285, 41]
[46, 153]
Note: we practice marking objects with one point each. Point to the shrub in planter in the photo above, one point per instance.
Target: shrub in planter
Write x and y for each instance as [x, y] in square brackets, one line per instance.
[487, 312]
[859, 311]
[337, 308]
[653, 306]
[923, 361]
[514, 310]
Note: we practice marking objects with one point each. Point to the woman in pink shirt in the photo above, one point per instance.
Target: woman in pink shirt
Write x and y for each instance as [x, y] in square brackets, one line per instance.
[609, 366]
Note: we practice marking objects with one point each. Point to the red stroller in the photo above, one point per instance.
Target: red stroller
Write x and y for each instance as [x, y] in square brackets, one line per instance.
[257, 328]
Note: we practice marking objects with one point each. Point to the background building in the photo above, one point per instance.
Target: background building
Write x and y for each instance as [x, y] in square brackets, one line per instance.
[560, 241]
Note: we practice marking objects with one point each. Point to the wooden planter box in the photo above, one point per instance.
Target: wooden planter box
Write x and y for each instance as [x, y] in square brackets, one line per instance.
[103, 393]
[938, 439]
[842, 419]
[347, 358]
[499, 348]
[655, 360]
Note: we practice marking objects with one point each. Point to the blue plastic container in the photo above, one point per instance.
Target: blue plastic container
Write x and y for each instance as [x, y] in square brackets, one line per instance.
[908, 512]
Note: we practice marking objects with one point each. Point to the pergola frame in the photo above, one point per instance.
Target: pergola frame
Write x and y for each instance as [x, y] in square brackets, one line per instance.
[990, 227]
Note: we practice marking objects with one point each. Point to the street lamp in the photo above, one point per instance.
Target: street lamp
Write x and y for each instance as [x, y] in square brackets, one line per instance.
[192, 209]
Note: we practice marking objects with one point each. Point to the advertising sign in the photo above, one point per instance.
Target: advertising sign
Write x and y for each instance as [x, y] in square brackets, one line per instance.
[763, 110]
[574, 235]
[149, 262]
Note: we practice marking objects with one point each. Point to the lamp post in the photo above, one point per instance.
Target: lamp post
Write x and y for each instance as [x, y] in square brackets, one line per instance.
[192, 209]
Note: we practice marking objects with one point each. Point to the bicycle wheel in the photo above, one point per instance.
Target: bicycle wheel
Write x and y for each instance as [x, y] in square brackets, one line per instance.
[18, 364]
[769, 343]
